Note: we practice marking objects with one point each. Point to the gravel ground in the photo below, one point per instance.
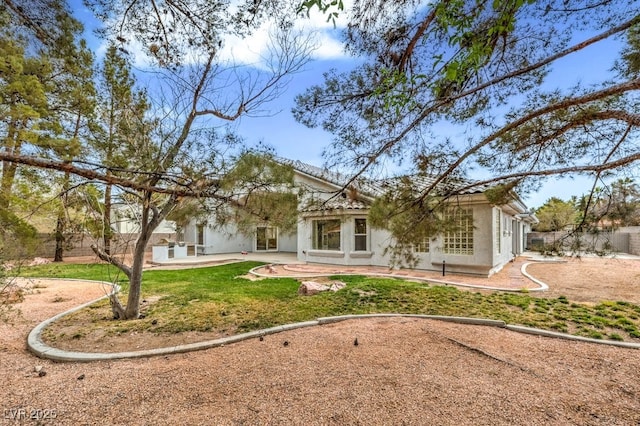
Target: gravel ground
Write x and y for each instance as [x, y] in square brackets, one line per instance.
[403, 371]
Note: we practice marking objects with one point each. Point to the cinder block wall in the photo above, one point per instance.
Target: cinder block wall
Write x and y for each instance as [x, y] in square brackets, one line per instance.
[620, 241]
[80, 245]
[634, 243]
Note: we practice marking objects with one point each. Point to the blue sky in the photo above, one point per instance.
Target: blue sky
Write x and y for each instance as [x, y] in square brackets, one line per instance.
[295, 141]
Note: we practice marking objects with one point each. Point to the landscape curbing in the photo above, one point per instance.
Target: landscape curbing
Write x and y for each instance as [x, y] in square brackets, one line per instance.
[548, 333]
[523, 271]
[542, 286]
[42, 350]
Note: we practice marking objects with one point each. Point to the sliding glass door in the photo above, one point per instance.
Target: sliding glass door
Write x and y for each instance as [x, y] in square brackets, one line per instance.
[266, 238]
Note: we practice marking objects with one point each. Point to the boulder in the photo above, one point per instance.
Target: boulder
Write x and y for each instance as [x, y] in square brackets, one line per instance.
[309, 288]
[337, 285]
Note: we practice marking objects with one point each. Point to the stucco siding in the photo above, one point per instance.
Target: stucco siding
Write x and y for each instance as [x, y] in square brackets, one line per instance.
[483, 261]
[317, 240]
[287, 242]
[225, 240]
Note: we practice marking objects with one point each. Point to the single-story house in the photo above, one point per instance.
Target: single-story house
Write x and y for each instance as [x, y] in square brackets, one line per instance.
[336, 230]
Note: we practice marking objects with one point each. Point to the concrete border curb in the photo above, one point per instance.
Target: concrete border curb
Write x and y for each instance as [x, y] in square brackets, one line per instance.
[548, 333]
[543, 286]
[523, 271]
[40, 349]
[34, 340]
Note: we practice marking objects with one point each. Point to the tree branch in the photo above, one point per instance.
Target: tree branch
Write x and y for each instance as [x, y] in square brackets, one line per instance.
[415, 39]
[202, 190]
[386, 146]
[598, 168]
[613, 90]
[112, 260]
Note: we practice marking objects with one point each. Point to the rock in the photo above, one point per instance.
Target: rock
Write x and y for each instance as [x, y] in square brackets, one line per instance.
[286, 343]
[39, 261]
[355, 342]
[309, 288]
[42, 373]
[337, 285]
[37, 368]
[81, 377]
[154, 322]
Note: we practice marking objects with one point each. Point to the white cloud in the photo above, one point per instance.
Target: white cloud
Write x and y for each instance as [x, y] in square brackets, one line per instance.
[319, 20]
[253, 49]
[248, 51]
[329, 48]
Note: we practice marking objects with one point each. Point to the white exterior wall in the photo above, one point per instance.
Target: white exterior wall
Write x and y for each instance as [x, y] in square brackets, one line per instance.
[228, 239]
[225, 239]
[505, 254]
[481, 261]
[485, 260]
[347, 255]
[287, 243]
[380, 240]
[319, 190]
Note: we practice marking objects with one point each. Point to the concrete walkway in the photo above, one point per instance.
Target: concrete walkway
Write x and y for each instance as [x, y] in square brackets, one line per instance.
[513, 277]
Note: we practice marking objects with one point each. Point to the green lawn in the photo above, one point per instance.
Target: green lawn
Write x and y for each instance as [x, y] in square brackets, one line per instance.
[217, 299]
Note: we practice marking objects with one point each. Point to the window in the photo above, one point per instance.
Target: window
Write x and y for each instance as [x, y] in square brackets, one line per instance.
[459, 240]
[422, 247]
[326, 234]
[200, 234]
[497, 231]
[361, 235]
[266, 238]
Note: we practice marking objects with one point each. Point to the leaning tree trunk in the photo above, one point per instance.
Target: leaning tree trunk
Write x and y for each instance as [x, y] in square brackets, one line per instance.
[150, 219]
[132, 310]
[134, 273]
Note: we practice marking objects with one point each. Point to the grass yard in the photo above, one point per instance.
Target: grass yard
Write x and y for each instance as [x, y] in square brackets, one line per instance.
[218, 300]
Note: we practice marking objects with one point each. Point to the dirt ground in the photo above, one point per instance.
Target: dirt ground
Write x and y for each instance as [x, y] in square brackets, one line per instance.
[591, 279]
[586, 280]
[403, 371]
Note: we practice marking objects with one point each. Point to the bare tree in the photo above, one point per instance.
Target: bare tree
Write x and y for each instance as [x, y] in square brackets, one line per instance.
[180, 148]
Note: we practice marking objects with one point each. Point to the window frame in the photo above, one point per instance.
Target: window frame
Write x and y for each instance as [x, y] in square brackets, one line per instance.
[200, 234]
[318, 238]
[460, 241]
[422, 247]
[364, 235]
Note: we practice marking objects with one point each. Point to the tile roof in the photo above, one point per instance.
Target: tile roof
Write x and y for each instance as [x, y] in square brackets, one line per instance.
[375, 188]
[371, 188]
